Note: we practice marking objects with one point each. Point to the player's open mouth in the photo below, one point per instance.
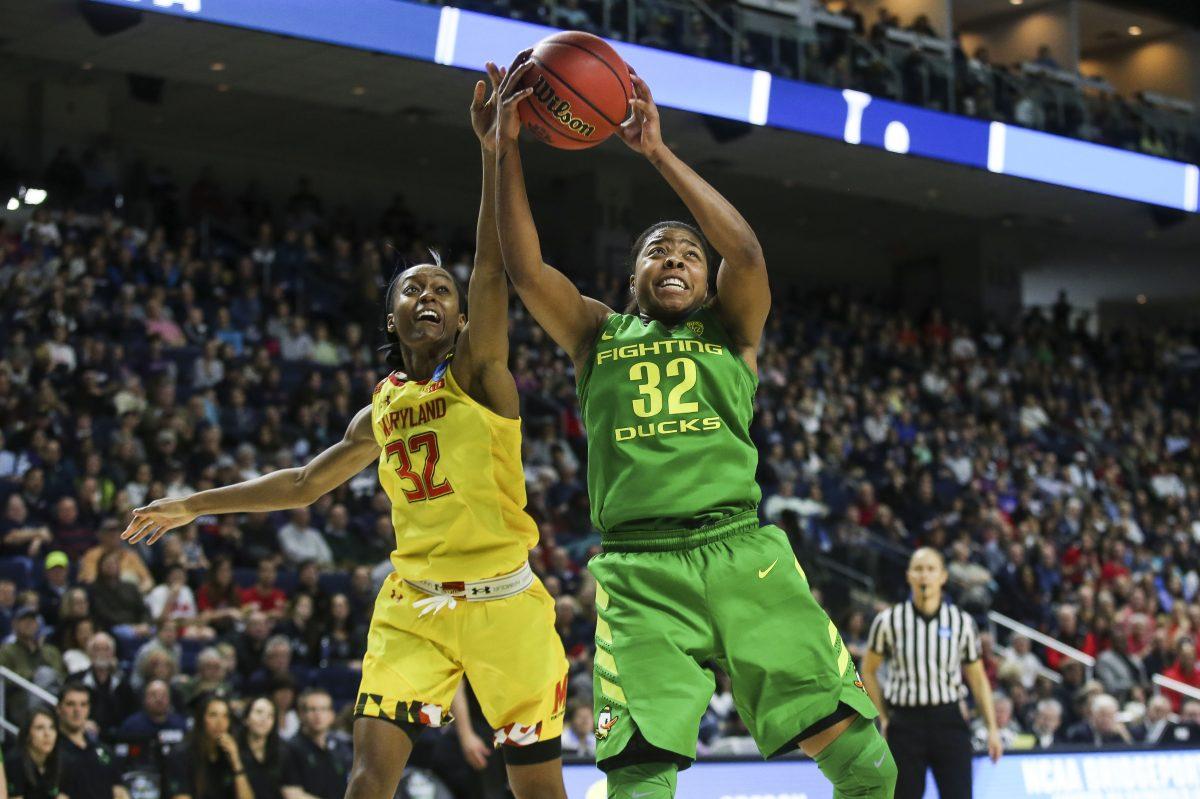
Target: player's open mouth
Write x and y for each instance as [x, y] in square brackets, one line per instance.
[428, 315]
[671, 284]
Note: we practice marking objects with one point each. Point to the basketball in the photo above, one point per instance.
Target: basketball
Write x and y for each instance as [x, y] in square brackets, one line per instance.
[581, 91]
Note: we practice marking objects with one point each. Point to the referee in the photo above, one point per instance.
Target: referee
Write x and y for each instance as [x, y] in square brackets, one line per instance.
[928, 644]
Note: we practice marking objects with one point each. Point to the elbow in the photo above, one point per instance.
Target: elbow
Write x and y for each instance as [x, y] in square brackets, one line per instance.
[304, 491]
[750, 254]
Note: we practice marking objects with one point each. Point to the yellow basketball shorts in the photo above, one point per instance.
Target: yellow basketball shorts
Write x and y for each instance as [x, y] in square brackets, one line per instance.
[508, 650]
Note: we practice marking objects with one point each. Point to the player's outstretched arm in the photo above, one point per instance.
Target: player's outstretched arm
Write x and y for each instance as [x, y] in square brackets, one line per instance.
[483, 349]
[743, 293]
[280, 490]
[571, 319]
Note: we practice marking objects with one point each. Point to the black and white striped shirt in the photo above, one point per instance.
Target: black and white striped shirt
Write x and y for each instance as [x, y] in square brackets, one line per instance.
[924, 654]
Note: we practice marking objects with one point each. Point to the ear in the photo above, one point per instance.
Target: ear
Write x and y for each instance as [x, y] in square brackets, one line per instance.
[462, 322]
[632, 282]
[391, 323]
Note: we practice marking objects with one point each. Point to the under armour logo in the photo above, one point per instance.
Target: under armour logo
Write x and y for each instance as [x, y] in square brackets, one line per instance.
[476, 591]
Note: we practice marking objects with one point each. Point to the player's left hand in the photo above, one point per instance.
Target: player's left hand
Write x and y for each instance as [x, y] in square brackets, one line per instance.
[155, 519]
[642, 131]
[476, 751]
[995, 746]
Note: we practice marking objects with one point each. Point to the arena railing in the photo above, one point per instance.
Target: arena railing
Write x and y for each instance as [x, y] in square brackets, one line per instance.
[1042, 670]
[999, 619]
[1178, 687]
[37, 692]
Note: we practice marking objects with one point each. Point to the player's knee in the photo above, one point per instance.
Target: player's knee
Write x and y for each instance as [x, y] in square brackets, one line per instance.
[859, 763]
[876, 775]
[373, 776]
[644, 780]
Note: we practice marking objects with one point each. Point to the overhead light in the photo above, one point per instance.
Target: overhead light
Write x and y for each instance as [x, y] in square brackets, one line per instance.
[34, 196]
[217, 66]
[359, 91]
[1134, 30]
[1016, 2]
[13, 204]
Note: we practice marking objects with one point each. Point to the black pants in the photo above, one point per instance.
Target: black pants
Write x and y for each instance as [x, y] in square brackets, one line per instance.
[937, 738]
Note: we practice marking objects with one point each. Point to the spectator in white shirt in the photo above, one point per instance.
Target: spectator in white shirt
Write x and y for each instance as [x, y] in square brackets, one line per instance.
[172, 601]
[1033, 416]
[579, 736]
[301, 543]
[786, 499]
[296, 344]
[1022, 655]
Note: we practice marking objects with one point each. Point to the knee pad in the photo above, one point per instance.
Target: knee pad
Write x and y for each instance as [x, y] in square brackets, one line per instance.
[644, 780]
[859, 763]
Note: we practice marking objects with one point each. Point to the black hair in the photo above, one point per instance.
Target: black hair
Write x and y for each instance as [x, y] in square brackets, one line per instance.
[272, 753]
[393, 354]
[200, 745]
[640, 242]
[74, 687]
[53, 764]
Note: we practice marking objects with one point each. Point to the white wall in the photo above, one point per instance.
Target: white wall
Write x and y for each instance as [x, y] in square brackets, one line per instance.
[1016, 38]
[1092, 275]
[1170, 66]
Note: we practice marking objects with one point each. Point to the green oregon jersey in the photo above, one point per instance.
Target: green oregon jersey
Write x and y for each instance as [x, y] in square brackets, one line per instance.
[667, 412]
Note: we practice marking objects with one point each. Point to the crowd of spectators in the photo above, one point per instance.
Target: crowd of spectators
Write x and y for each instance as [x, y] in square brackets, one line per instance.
[1054, 466]
[859, 54]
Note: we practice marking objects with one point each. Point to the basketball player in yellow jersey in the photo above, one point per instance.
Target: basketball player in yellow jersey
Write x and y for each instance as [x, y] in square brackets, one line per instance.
[462, 599]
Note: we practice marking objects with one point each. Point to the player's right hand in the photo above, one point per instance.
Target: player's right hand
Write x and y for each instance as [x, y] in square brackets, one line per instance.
[152, 521]
[508, 122]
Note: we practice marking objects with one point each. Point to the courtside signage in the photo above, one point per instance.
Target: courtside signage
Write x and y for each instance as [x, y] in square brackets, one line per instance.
[1116, 775]
[451, 36]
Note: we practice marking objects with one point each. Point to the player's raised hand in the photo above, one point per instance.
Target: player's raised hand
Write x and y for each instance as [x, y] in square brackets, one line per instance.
[641, 131]
[508, 123]
[483, 106]
[150, 522]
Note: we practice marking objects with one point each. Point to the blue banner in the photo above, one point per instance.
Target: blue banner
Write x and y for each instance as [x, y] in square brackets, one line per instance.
[466, 39]
[1093, 167]
[858, 118]
[385, 26]
[1115, 775]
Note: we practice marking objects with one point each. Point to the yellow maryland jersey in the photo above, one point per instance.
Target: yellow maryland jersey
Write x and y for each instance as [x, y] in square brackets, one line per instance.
[452, 469]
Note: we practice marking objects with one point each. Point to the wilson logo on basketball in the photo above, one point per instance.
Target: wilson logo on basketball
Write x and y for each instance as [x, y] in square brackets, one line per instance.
[560, 109]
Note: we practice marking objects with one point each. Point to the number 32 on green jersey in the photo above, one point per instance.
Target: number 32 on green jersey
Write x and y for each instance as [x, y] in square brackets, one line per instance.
[649, 377]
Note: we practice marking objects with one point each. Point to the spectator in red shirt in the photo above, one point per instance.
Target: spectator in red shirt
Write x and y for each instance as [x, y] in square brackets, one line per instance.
[1183, 670]
[219, 600]
[264, 595]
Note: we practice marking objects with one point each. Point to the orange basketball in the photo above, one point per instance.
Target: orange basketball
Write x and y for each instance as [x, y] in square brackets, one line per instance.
[581, 91]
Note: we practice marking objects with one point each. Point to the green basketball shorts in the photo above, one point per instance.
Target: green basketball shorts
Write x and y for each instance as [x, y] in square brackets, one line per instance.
[733, 594]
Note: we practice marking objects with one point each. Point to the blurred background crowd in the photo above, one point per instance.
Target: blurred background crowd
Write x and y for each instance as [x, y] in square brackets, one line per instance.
[144, 357]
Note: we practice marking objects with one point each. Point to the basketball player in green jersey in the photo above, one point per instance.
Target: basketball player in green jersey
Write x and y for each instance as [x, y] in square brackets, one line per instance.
[687, 576]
